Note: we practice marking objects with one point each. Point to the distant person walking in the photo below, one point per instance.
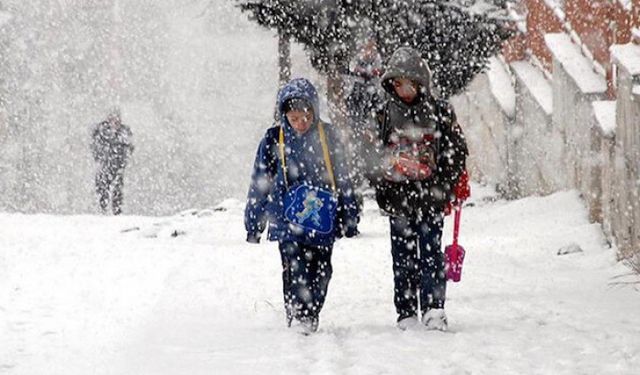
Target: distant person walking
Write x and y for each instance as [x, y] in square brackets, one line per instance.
[111, 147]
[364, 103]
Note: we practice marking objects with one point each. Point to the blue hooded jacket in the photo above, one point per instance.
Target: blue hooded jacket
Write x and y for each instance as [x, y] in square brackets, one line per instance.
[305, 164]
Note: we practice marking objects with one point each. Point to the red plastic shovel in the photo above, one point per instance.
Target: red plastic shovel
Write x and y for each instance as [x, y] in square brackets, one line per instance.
[454, 254]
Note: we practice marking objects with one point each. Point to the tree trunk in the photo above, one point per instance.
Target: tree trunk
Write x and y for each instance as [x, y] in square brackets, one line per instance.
[284, 65]
[284, 58]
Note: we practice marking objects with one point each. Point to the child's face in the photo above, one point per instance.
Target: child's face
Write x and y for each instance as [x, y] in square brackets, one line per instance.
[300, 120]
[406, 89]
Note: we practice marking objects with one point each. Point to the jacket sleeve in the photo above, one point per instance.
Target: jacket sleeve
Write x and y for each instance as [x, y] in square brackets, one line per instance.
[382, 121]
[265, 169]
[453, 152]
[348, 212]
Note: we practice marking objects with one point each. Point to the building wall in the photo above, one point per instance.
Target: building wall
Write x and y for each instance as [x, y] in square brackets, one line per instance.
[600, 24]
[540, 21]
[597, 23]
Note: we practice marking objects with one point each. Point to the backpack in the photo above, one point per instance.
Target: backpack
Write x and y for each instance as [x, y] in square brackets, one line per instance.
[311, 211]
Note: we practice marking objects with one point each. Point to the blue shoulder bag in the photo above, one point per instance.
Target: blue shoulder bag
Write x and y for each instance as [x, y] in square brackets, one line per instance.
[311, 211]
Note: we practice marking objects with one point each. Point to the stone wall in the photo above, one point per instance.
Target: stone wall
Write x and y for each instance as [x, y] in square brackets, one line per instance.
[565, 133]
[488, 128]
[537, 153]
[627, 150]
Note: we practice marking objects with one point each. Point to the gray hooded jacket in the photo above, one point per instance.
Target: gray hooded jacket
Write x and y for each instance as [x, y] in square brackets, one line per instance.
[433, 119]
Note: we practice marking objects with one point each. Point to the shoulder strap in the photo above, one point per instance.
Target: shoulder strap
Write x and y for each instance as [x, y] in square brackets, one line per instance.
[325, 152]
[282, 157]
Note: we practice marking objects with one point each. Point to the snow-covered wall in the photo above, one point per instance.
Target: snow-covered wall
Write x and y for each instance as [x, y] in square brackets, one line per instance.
[486, 113]
[627, 59]
[564, 135]
[575, 87]
[538, 157]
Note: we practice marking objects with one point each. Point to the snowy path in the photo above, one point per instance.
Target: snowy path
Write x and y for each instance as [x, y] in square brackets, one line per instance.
[77, 296]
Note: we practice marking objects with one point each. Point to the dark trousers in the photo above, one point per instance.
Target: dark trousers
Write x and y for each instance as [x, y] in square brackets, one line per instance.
[109, 183]
[306, 272]
[418, 264]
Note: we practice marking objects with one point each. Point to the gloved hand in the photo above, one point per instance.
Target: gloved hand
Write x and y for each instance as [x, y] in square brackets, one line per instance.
[351, 232]
[448, 207]
[462, 192]
[253, 237]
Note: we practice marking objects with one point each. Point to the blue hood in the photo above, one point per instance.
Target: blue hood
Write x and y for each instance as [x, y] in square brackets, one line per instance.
[299, 88]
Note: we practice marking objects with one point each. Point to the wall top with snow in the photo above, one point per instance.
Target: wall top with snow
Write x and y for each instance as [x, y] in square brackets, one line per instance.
[536, 83]
[575, 63]
[605, 114]
[501, 86]
[628, 56]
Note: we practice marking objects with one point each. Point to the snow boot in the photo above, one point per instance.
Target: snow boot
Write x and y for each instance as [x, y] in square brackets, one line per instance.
[288, 315]
[435, 319]
[407, 322]
[305, 326]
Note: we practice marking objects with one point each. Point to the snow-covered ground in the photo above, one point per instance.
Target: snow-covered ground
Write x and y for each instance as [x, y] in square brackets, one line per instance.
[187, 295]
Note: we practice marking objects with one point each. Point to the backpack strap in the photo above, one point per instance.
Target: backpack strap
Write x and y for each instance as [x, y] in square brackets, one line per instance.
[325, 152]
[282, 157]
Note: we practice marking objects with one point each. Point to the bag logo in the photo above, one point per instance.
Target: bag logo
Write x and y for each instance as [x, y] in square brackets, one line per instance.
[311, 209]
[312, 205]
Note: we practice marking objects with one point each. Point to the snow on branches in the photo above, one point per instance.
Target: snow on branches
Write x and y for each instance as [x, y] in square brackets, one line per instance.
[456, 37]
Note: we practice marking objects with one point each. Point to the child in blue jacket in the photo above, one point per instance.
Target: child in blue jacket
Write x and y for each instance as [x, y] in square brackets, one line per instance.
[300, 150]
